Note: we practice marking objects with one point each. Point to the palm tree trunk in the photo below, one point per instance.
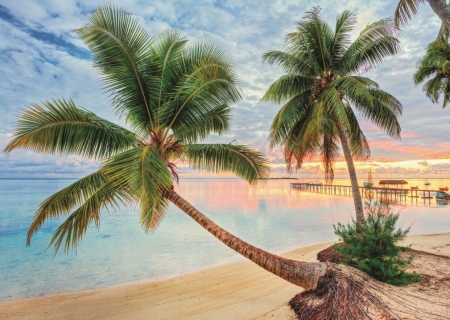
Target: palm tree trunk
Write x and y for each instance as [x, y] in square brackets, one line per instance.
[303, 274]
[441, 8]
[354, 181]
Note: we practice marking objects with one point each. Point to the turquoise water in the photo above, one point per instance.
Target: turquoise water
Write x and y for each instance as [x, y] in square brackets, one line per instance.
[273, 217]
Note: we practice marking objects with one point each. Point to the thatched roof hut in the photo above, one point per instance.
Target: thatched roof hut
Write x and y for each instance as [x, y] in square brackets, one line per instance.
[393, 182]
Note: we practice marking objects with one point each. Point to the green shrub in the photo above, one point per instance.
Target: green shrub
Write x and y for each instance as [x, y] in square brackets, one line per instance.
[372, 247]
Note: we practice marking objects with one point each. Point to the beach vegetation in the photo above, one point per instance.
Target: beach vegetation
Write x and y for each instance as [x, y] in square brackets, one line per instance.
[373, 247]
[434, 68]
[322, 90]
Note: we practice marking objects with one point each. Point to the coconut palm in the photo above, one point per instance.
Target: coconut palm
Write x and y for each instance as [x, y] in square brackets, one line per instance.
[322, 89]
[436, 66]
[172, 95]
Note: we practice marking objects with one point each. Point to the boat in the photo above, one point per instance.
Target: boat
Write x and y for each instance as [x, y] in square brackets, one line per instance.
[414, 188]
[367, 184]
[443, 189]
[427, 183]
[442, 196]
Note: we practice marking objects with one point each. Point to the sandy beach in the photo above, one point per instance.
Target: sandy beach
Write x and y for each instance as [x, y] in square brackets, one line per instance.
[234, 291]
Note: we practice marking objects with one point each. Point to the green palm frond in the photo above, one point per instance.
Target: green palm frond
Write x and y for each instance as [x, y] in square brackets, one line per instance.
[424, 71]
[221, 158]
[290, 62]
[345, 23]
[167, 52]
[354, 89]
[295, 110]
[374, 44]
[62, 128]
[144, 176]
[303, 137]
[383, 112]
[405, 10]
[209, 87]
[120, 48]
[433, 88]
[287, 87]
[216, 120]
[446, 93]
[435, 66]
[88, 195]
[357, 140]
[312, 39]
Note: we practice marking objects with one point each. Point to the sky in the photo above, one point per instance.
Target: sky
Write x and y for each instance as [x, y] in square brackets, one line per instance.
[41, 58]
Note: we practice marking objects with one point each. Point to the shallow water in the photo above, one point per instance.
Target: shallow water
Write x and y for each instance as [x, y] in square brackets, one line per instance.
[273, 217]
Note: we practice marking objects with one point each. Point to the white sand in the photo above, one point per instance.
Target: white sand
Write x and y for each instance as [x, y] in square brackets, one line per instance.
[239, 290]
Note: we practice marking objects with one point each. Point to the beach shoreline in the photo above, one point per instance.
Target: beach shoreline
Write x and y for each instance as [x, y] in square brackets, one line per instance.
[233, 290]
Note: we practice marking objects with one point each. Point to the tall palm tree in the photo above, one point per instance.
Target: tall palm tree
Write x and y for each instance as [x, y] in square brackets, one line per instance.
[172, 96]
[436, 66]
[322, 88]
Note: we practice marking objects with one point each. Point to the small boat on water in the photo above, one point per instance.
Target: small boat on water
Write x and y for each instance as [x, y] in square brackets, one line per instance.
[442, 196]
[427, 183]
[414, 188]
[444, 189]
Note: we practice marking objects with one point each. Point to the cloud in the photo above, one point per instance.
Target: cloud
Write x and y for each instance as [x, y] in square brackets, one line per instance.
[423, 163]
[41, 59]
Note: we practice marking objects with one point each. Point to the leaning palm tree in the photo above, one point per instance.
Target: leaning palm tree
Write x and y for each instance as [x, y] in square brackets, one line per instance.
[436, 66]
[172, 95]
[322, 88]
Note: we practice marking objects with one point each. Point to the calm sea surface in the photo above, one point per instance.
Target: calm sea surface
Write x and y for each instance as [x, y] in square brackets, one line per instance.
[273, 217]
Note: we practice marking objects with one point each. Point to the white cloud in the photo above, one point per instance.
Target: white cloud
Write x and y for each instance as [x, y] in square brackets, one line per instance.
[35, 70]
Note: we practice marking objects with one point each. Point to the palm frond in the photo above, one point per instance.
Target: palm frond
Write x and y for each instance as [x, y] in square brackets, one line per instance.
[119, 46]
[359, 145]
[216, 120]
[383, 112]
[433, 88]
[208, 88]
[295, 110]
[221, 158]
[287, 87]
[294, 62]
[345, 23]
[405, 10]
[88, 195]
[144, 176]
[376, 42]
[62, 128]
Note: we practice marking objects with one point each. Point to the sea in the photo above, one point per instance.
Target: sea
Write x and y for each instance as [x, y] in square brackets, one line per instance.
[271, 215]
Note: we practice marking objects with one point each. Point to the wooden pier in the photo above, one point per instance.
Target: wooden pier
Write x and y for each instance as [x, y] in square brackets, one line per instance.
[419, 197]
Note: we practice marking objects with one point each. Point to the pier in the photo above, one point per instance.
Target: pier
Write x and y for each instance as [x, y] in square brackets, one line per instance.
[419, 197]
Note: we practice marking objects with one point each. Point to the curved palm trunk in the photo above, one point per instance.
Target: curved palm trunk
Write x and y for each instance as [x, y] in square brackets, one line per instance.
[354, 181]
[441, 8]
[303, 274]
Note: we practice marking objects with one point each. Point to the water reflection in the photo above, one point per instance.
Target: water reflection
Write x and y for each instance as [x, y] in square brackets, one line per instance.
[271, 216]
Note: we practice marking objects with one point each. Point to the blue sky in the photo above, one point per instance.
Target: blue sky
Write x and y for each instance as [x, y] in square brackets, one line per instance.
[41, 59]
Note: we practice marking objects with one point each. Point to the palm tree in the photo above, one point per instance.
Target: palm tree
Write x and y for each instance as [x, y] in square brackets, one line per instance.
[436, 66]
[322, 88]
[172, 96]
[407, 8]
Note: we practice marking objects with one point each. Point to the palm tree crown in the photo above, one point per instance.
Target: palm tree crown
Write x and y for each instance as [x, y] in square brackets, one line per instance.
[171, 94]
[322, 88]
[435, 65]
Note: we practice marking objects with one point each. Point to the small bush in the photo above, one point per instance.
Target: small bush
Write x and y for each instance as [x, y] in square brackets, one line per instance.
[372, 247]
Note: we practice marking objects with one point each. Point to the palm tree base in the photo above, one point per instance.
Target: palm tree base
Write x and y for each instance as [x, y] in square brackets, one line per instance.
[348, 293]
